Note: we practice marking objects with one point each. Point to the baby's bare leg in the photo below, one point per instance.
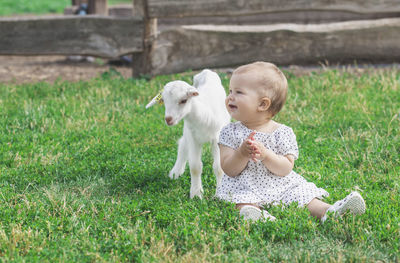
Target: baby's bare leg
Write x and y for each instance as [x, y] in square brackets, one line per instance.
[317, 208]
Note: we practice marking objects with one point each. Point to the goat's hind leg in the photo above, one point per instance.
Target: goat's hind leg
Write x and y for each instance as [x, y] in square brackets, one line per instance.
[180, 164]
[217, 161]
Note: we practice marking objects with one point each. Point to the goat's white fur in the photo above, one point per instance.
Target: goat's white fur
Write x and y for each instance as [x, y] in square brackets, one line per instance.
[202, 107]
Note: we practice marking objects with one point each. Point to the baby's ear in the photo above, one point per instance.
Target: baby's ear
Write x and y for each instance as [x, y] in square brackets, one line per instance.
[265, 104]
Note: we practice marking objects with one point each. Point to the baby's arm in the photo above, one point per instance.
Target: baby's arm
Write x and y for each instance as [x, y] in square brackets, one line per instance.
[233, 161]
[280, 165]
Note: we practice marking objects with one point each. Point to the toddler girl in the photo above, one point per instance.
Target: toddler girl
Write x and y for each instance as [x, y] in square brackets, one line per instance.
[258, 154]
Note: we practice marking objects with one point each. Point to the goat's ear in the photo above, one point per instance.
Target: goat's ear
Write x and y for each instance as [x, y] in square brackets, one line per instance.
[192, 92]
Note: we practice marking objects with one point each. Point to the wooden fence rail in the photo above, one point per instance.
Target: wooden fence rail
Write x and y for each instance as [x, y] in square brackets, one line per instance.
[202, 46]
[185, 8]
[100, 36]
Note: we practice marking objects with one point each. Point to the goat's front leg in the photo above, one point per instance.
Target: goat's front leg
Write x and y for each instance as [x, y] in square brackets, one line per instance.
[180, 164]
[217, 161]
[196, 167]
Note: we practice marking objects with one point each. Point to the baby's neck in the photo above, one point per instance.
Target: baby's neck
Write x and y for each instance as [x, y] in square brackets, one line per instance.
[266, 126]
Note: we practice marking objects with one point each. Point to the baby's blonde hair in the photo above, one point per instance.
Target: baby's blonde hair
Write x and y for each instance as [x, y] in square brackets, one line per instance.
[272, 81]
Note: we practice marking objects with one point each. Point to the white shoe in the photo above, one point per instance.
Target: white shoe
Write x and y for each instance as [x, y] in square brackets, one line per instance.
[353, 202]
[249, 212]
[268, 216]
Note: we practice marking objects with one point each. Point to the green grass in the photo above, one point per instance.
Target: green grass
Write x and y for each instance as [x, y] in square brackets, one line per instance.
[84, 175]
[12, 7]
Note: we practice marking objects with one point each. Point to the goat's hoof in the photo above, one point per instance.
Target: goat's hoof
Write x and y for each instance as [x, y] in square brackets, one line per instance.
[197, 193]
[200, 196]
[173, 175]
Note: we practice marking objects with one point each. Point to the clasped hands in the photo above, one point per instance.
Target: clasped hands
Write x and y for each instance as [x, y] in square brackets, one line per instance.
[252, 149]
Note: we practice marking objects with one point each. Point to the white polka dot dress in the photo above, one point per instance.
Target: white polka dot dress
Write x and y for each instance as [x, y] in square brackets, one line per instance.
[256, 184]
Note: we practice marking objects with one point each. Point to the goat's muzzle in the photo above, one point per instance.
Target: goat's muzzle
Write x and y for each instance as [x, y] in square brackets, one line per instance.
[168, 120]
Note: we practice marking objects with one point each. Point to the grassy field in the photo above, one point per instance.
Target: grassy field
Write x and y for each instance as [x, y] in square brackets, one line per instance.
[84, 175]
[12, 7]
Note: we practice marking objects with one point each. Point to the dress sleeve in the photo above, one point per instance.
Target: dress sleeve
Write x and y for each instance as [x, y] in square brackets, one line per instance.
[288, 143]
[226, 136]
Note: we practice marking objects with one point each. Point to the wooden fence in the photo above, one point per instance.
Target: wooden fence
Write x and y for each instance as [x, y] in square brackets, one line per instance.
[173, 36]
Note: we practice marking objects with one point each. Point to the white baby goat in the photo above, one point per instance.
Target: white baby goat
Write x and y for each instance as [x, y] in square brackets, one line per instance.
[203, 109]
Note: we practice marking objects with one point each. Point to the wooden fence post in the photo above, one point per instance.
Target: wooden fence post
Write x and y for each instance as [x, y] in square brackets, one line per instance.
[78, 2]
[98, 7]
[141, 62]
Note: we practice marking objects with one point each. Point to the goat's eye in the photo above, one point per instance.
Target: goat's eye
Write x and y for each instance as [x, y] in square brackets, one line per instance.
[183, 101]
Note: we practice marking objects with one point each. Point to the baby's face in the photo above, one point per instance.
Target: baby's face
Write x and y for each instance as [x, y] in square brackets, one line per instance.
[243, 99]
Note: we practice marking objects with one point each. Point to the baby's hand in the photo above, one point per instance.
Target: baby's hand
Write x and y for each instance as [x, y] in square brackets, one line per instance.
[247, 148]
[259, 151]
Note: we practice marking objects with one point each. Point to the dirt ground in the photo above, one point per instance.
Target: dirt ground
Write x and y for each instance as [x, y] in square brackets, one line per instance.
[31, 69]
